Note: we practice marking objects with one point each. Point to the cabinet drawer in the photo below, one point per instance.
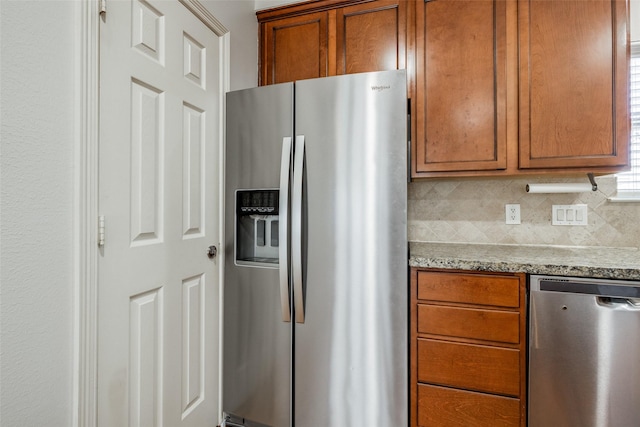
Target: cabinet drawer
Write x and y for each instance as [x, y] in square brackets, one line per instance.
[445, 407]
[468, 366]
[490, 325]
[501, 291]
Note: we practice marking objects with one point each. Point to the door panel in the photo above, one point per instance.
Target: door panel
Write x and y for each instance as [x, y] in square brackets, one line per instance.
[351, 351]
[461, 86]
[295, 48]
[158, 305]
[569, 118]
[147, 174]
[257, 342]
[371, 37]
[584, 351]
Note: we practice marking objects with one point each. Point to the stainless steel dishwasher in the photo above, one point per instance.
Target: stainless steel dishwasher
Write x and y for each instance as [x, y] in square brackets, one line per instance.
[584, 352]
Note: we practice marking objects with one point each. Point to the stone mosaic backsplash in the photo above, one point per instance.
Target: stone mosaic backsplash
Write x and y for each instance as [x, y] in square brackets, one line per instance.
[473, 211]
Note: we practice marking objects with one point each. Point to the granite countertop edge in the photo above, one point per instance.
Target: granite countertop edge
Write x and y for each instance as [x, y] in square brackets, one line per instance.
[604, 263]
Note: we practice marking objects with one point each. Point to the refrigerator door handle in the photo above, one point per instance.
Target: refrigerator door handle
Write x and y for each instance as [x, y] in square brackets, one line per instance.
[283, 231]
[409, 150]
[296, 229]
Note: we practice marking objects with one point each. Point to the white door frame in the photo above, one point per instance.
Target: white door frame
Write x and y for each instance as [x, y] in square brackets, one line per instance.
[86, 213]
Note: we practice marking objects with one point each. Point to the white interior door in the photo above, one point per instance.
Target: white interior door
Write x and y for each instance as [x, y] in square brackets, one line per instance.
[159, 193]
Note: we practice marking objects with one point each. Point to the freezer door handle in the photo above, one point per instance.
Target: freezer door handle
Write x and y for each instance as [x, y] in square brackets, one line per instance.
[283, 254]
[296, 229]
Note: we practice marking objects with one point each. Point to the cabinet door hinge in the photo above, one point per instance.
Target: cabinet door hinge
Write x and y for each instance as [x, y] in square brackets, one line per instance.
[103, 7]
[101, 231]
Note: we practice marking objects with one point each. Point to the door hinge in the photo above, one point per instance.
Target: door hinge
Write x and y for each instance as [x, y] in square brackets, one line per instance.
[101, 231]
[103, 7]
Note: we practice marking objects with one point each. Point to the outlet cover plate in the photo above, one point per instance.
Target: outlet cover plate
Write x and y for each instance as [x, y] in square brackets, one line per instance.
[569, 215]
[512, 213]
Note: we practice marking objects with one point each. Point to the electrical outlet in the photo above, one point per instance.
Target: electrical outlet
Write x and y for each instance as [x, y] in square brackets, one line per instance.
[512, 214]
[569, 215]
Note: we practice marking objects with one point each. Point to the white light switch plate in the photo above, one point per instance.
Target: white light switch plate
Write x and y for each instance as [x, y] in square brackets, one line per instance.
[569, 215]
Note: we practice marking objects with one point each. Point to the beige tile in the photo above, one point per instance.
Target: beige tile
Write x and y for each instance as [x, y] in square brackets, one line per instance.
[472, 211]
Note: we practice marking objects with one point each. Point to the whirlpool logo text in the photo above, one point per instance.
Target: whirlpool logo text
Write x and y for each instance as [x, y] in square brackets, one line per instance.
[380, 88]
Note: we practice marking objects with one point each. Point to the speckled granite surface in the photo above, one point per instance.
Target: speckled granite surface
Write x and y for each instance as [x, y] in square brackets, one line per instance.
[606, 263]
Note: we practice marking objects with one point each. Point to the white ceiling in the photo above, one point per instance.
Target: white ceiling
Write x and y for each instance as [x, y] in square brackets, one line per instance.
[266, 4]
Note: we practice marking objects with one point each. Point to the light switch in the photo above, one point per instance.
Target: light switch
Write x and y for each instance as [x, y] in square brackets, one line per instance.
[569, 214]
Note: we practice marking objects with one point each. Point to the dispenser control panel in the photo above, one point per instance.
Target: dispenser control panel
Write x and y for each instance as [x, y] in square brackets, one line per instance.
[257, 227]
[257, 202]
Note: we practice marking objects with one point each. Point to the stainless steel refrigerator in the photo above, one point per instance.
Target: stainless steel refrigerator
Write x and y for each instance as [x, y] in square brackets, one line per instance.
[315, 292]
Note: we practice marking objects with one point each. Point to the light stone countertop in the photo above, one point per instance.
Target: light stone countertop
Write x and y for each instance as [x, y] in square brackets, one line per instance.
[597, 262]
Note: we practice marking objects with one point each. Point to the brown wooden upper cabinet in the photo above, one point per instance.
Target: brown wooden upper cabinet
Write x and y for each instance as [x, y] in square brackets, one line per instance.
[330, 37]
[461, 86]
[574, 73]
[505, 87]
[498, 87]
[294, 48]
[371, 37]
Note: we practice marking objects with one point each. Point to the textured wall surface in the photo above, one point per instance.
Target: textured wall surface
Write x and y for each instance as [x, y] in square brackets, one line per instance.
[473, 211]
[240, 19]
[37, 82]
[36, 208]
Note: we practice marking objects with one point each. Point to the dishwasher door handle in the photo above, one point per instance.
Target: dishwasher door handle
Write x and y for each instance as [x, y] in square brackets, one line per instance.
[618, 290]
[612, 302]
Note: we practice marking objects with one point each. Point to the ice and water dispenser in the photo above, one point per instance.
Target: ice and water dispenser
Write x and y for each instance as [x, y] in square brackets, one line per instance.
[257, 227]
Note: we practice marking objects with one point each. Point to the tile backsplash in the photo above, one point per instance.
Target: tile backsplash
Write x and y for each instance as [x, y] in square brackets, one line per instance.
[473, 211]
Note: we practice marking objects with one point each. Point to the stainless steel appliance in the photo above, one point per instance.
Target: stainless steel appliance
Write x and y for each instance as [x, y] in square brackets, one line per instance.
[315, 294]
[584, 352]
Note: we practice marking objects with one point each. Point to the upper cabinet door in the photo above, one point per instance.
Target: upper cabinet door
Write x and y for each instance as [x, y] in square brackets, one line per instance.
[371, 36]
[573, 84]
[327, 37]
[460, 86]
[294, 48]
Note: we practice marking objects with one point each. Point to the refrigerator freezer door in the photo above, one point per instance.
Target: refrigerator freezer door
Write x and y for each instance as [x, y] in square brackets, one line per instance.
[351, 351]
[257, 341]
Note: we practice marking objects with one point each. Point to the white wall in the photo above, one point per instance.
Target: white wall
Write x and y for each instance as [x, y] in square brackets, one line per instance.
[634, 25]
[240, 19]
[37, 131]
[36, 230]
[267, 4]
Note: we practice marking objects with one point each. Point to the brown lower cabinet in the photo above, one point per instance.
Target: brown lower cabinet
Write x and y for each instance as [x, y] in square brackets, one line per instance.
[468, 348]
[449, 407]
